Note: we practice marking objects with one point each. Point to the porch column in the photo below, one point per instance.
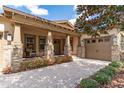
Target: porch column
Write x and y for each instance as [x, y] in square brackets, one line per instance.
[37, 45]
[17, 53]
[81, 47]
[67, 47]
[49, 47]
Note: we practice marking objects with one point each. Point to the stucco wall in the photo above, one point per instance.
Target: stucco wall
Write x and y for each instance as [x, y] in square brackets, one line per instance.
[7, 28]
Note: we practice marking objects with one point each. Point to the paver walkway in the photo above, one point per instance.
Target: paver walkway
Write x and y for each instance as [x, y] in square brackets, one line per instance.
[57, 76]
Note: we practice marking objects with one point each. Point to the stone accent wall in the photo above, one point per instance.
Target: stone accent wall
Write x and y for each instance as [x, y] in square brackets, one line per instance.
[49, 48]
[81, 48]
[81, 51]
[67, 47]
[115, 49]
[17, 56]
[7, 56]
[115, 53]
[12, 57]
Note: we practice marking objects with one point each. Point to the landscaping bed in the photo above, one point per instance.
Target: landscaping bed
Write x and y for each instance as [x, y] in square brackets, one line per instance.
[118, 80]
[103, 77]
[38, 62]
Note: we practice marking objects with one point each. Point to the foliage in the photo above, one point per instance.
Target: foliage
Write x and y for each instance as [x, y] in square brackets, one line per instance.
[95, 20]
[89, 83]
[107, 71]
[103, 78]
[62, 59]
[7, 70]
[116, 64]
[113, 69]
[42, 62]
[33, 64]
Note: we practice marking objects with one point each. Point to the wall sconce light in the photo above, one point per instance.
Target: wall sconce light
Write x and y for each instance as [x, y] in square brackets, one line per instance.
[9, 37]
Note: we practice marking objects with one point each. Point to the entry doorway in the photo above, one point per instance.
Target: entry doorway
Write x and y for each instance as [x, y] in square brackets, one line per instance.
[57, 46]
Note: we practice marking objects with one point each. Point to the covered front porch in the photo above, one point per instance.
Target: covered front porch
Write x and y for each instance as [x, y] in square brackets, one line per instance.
[35, 42]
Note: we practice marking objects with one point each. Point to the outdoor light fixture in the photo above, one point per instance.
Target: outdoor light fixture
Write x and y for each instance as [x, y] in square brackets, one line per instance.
[9, 37]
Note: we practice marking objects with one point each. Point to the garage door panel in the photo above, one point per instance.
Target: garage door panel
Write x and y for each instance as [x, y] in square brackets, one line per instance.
[98, 50]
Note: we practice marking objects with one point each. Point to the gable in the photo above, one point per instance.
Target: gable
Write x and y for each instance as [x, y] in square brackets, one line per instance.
[66, 24]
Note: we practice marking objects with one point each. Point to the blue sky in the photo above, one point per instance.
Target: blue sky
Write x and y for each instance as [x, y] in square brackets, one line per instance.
[51, 12]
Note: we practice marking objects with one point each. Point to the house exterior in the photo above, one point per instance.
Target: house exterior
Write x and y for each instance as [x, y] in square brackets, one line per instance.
[23, 36]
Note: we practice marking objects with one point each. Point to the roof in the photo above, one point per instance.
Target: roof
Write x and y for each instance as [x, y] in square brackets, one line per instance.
[5, 8]
[64, 22]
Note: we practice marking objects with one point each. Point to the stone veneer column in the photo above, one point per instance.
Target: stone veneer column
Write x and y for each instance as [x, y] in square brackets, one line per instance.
[49, 47]
[115, 50]
[67, 47]
[17, 54]
[81, 47]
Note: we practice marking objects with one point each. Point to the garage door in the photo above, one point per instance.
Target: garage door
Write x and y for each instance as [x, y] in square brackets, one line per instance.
[99, 48]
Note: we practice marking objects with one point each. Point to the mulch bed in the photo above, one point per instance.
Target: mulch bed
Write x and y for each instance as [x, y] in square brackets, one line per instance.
[118, 81]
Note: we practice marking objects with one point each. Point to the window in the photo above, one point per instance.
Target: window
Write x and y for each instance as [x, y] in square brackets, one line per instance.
[93, 41]
[42, 42]
[100, 40]
[88, 41]
[107, 40]
[30, 45]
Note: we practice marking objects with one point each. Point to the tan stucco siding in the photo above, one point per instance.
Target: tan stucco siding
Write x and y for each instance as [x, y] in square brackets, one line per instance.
[7, 24]
[75, 45]
[114, 31]
[7, 28]
[2, 44]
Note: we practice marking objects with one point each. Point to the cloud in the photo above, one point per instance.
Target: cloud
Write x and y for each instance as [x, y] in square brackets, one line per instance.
[1, 6]
[1, 10]
[74, 7]
[72, 21]
[36, 10]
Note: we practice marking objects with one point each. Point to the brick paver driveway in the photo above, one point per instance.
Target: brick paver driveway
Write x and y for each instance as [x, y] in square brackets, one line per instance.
[60, 75]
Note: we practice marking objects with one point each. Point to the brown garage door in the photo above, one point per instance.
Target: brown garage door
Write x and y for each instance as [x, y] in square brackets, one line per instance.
[99, 48]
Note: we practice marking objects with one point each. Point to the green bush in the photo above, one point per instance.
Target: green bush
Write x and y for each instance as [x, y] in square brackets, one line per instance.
[116, 64]
[102, 78]
[89, 83]
[113, 69]
[108, 71]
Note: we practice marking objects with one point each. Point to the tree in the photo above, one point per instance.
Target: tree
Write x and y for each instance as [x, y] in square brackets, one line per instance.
[95, 20]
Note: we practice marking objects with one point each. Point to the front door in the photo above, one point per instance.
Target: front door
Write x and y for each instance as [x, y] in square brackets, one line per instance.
[57, 47]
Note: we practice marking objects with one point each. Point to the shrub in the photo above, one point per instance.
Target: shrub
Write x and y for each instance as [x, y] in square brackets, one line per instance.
[116, 64]
[7, 70]
[62, 59]
[33, 64]
[113, 69]
[102, 78]
[89, 83]
[107, 71]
